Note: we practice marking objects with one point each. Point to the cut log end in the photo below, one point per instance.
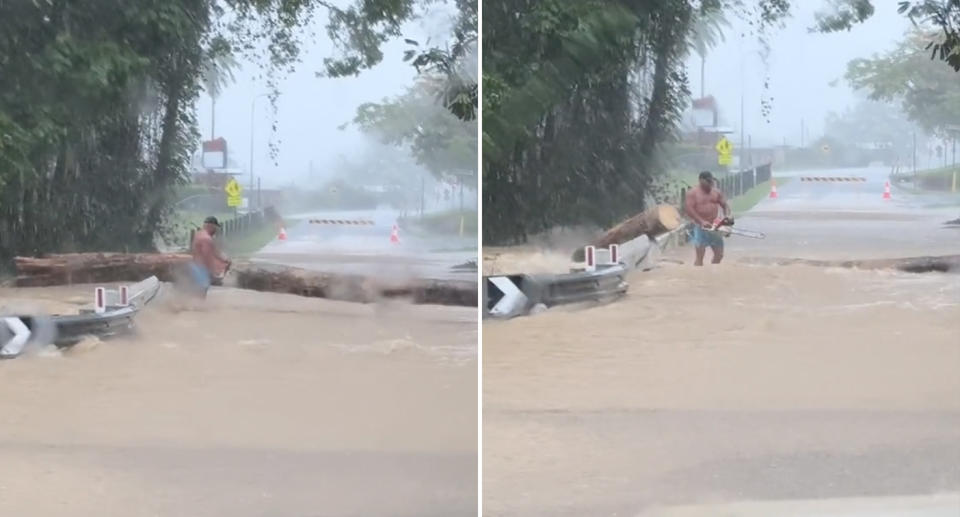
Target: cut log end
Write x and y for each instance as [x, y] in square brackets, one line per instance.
[652, 223]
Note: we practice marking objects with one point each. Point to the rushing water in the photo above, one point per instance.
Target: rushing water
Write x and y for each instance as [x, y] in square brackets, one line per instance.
[725, 383]
[253, 404]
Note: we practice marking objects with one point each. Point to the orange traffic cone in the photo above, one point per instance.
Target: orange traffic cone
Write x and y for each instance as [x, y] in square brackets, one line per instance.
[773, 189]
[886, 190]
[282, 236]
[395, 235]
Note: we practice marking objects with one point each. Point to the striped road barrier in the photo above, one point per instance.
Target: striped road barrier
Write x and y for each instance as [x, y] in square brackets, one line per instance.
[833, 179]
[349, 222]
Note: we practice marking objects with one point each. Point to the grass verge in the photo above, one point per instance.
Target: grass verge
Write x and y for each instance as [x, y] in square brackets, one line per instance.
[444, 223]
[245, 245]
[750, 198]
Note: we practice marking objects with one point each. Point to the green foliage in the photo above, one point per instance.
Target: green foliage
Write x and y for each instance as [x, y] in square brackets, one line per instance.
[929, 92]
[578, 96]
[436, 137]
[95, 120]
[97, 102]
[941, 15]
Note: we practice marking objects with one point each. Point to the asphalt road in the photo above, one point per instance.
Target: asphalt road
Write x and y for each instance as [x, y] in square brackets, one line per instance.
[368, 249]
[848, 220]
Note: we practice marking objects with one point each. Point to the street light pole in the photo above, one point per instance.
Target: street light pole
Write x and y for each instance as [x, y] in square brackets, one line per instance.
[253, 105]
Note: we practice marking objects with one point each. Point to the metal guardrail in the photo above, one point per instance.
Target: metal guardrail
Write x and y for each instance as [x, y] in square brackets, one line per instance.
[508, 296]
[17, 332]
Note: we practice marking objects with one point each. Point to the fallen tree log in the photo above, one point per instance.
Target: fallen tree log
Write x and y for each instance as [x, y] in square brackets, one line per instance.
[652, 222]
[92, 268]
[941, 264]
[351, 287]
[87, 268]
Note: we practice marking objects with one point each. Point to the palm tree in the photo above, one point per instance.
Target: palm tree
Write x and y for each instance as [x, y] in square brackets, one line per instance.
[706, 33]
[217, 73]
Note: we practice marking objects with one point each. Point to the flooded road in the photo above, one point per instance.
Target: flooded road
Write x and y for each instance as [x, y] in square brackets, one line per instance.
[257, 404]
[367, 249]
[737, 389]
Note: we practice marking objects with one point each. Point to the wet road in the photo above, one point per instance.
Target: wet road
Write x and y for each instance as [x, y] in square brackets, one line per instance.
[368, 250]
[250, 405]
[849, 220]
[743, 390]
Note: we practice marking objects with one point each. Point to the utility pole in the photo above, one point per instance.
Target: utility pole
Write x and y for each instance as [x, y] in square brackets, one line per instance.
[802, 132]
[742, 86]
[253, 106]
[703, 69]
[915, 164]
[213, 117]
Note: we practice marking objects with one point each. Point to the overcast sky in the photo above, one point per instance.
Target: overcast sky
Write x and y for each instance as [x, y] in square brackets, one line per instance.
[801, 67]
[310, 108]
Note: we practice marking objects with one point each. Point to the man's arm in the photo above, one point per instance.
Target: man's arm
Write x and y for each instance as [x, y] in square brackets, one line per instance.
[727, 210]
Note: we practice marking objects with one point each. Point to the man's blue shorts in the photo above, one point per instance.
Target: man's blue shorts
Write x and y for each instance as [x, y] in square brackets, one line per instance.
[704, 239]
[199, 277]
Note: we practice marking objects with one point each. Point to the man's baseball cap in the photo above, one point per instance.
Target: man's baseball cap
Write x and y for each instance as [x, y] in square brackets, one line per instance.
[211, 220]
[705, 175]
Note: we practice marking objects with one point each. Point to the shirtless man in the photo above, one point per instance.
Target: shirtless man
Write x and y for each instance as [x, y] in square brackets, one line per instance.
[703, 206]
[207, 261]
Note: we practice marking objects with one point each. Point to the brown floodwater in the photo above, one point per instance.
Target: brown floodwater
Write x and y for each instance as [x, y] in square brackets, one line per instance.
[253, 404]
[726, 383]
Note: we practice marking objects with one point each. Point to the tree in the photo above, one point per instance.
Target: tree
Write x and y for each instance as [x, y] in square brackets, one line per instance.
[706, 33]
[577, 97]
[943, 15]
[217, 70]
[96, 102]
[928, 92]
[437, 139]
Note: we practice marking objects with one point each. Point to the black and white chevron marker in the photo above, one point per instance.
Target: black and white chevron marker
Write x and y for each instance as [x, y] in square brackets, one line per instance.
[505, 297]
[14, 335]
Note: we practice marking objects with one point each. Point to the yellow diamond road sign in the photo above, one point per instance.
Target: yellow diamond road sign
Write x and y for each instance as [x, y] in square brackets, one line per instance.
[724, 151]
[234, 193]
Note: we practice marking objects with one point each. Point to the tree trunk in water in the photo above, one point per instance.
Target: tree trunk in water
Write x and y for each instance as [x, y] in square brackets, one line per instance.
[348, 287]
[653, 222]
[941, 264]
[87, 268]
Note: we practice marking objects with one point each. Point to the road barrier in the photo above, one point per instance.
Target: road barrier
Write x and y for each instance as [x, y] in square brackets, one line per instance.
[111, 314]
[833, 179]
[355, 222]
[508, 296]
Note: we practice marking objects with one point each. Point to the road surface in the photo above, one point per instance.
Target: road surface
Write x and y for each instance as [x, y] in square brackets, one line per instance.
[742, 390]
[250, 405]
[368, 250]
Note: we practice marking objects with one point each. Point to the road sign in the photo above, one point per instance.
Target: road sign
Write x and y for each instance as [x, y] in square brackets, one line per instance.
[215, 154]
[18, 336]
[234, 193]
[825, 148]
[510, 300]
[724, 151]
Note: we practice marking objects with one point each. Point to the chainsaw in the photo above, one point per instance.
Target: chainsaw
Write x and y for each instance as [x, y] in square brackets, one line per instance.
[724, 226]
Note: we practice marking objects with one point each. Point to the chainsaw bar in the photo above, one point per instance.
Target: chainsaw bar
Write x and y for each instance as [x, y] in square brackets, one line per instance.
[729, 230]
